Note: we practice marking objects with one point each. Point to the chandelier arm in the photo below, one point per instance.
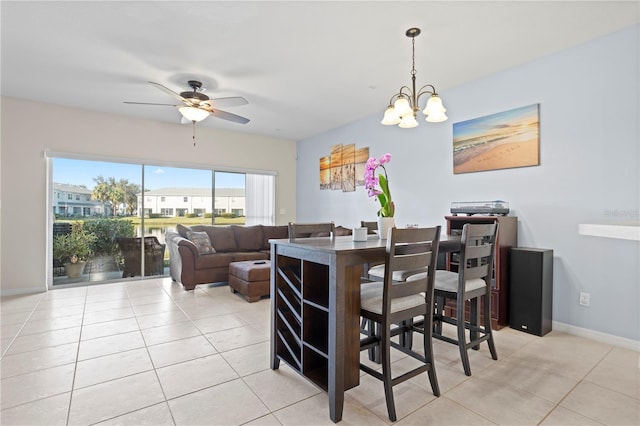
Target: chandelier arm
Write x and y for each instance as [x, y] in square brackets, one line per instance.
[392, 97]
[423, 91]
[405, 94]
[410, 95]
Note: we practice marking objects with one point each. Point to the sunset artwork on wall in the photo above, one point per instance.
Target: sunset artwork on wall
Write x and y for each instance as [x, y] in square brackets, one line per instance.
[343, 169]
[498, 141]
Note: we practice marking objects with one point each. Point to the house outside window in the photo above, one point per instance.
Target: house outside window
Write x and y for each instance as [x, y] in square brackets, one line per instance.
[185, 199]
[162, 199]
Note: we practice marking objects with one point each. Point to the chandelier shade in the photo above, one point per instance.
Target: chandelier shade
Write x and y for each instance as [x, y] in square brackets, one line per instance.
[434, 110]
[403, 106]
[408, 122]
[390, 116]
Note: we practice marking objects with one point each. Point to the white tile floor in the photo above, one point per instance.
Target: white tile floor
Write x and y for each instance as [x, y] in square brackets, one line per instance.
[150, 353]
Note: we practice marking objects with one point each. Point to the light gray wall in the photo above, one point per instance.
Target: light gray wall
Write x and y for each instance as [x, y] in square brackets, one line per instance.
[588, 173]
[30, 128]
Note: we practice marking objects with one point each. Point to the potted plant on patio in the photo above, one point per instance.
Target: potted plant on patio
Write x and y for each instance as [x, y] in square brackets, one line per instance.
[74, 249]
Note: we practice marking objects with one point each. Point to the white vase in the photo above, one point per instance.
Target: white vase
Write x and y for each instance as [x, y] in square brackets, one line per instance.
[384, 224]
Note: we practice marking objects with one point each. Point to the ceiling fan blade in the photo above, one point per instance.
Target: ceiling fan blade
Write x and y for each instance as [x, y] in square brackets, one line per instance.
[228, 116]
[227, 102]
[171, 93]
[150, 103]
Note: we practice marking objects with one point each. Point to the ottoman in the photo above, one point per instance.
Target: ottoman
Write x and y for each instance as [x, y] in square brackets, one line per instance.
[250, 278]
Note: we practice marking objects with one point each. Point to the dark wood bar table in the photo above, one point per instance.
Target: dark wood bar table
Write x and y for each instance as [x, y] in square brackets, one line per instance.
[315, 308]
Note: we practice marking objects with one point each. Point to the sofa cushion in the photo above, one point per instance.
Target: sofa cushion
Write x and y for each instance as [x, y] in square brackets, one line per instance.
[202, 241]
[217, 260]
[273, 233]
[222, 238]
[182, 230]
[248, 238]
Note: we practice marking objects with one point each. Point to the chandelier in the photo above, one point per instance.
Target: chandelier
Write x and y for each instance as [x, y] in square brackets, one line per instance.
[404, 110]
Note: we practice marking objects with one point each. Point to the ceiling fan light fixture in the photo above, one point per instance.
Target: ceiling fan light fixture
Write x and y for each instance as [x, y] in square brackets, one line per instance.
[193, 114]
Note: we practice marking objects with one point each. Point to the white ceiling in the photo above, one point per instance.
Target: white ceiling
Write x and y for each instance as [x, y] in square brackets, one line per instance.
[305, 66]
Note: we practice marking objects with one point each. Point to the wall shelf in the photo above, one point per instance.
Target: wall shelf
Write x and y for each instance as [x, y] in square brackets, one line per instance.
[621, 232]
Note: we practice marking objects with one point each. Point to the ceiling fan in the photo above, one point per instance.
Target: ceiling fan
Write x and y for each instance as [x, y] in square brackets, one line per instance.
[196, 106]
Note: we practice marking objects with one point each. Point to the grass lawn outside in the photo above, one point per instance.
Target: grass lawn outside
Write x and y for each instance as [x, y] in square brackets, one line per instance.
[165, 222]
[187, 221]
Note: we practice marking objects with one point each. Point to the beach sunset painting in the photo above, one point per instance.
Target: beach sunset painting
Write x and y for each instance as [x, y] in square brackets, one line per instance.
[325, 172]
[343, 168]
[362, 155]
[348, 168]
[336, 167]
[498, 141]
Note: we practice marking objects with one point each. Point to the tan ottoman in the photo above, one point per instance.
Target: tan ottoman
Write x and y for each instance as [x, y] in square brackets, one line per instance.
[250, 278]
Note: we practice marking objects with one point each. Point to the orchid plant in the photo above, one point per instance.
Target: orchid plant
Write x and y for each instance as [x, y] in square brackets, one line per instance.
[372, 182]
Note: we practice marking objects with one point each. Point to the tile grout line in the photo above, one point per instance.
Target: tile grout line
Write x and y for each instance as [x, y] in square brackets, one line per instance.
[566, 395]
[75, 364]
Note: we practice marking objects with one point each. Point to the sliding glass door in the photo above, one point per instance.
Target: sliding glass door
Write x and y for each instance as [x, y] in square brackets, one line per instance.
[172, 196]
[109, 219]
[93, 207]
[229, 203]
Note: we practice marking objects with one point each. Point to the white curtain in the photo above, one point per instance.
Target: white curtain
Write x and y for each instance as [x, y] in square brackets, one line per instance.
[260, 199]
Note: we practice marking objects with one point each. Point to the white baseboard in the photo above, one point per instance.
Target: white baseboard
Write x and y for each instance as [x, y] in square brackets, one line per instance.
[598, 336]
[21, 291]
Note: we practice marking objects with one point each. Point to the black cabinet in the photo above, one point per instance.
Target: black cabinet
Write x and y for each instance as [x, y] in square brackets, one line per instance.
[531, 298]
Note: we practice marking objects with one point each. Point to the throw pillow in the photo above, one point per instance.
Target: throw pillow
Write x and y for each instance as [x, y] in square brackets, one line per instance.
[182, 230]
[202, 241]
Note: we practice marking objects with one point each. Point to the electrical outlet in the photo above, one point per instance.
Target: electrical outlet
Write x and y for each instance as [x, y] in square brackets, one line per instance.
[585, 299]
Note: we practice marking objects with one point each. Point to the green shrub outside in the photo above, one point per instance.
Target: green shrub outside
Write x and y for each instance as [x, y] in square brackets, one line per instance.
[106, 232]
[77, 245]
